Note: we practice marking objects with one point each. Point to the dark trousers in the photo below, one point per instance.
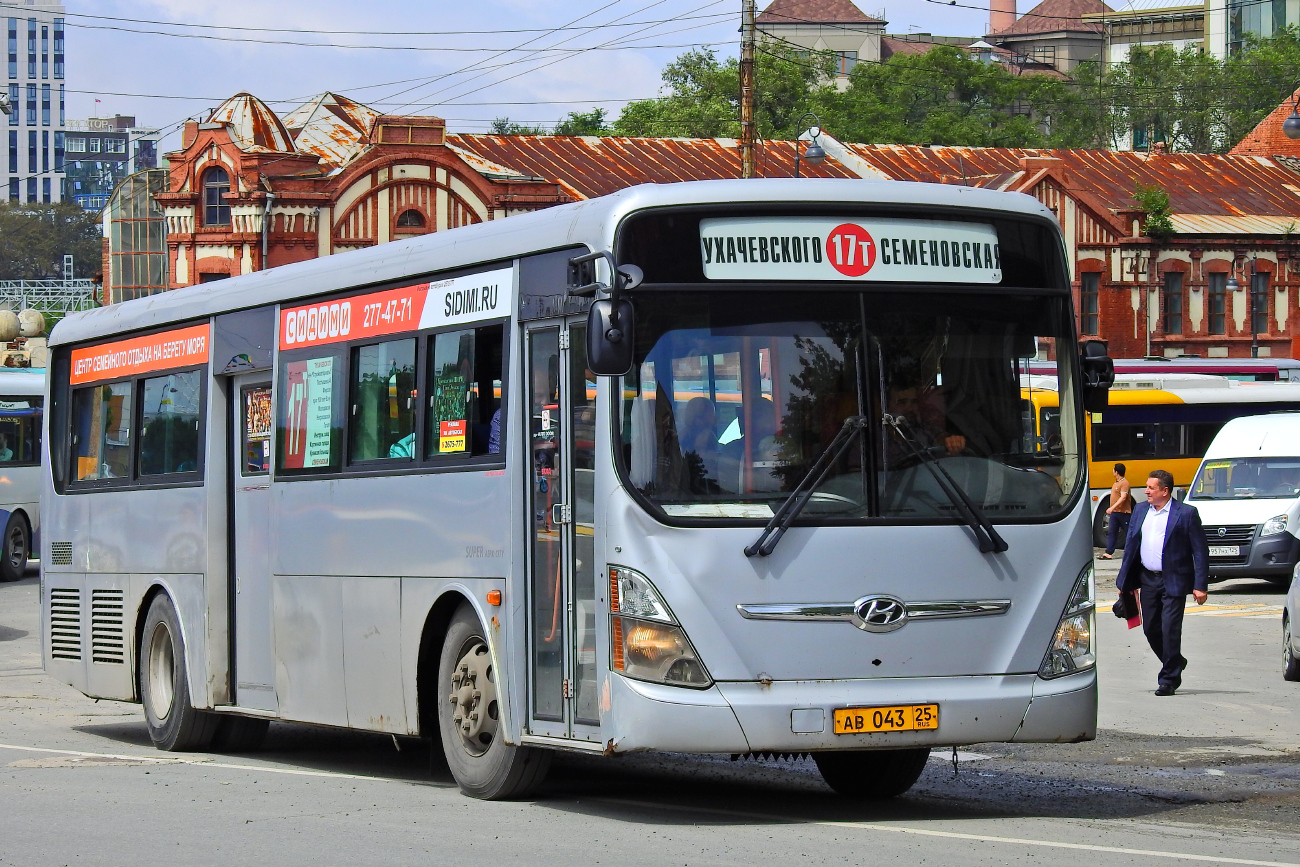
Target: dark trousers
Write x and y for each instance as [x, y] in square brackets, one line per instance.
[1162, 621]
[1117, 528]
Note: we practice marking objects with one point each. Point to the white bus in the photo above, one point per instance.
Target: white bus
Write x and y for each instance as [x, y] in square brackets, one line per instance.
[781, 502]
[22, 398]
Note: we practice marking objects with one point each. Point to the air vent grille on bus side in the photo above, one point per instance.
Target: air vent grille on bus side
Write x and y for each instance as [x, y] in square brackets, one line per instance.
[65, 623]
[106, 643]
[61, 553]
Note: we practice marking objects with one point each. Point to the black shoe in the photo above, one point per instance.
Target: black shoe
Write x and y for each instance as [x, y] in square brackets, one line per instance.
[1166, 690]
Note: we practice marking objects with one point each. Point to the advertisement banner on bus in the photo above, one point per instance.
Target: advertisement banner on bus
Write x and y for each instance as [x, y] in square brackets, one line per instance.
[830, 248]
[183, 347]
[309, 428]
[471, 298]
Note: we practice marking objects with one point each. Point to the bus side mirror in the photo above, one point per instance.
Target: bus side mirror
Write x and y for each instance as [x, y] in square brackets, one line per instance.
[1098, 375]
[609, 336]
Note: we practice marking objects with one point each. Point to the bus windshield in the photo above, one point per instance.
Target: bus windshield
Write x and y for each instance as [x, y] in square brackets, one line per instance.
[732, 398]
[1248, 479]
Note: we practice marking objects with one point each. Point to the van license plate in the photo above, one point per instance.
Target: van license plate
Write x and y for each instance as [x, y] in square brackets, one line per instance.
[1225, 550]
[899, 718]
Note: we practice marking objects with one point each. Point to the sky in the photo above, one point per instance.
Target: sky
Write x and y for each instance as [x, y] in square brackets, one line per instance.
[468, 62]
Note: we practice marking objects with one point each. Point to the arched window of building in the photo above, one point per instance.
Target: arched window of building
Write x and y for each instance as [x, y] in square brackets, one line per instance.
[411, 219]
[216, 211]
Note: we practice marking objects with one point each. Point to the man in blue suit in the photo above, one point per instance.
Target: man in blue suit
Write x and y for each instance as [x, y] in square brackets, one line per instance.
[1166, 557]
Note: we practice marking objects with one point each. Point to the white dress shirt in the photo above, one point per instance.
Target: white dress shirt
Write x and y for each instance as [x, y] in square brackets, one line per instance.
[1154, 526]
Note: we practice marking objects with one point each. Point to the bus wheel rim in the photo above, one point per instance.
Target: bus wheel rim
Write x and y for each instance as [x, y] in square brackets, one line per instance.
[474, 711]
[162, 672]
[16, 548]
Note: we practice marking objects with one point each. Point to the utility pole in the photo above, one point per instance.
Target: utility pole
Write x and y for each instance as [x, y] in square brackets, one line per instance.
[746, 88]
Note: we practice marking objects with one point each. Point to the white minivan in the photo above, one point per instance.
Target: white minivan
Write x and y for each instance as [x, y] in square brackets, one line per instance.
[1247, 491]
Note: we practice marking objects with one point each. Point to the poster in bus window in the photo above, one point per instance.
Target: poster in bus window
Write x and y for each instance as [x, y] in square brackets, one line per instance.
[449, 410]
[309, 387]
[257, 430]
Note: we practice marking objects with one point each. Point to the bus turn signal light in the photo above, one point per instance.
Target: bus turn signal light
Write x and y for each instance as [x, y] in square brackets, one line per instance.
[494, 597]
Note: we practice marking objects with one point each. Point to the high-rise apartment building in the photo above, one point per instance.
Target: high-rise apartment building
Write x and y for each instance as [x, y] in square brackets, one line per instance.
[31, 150]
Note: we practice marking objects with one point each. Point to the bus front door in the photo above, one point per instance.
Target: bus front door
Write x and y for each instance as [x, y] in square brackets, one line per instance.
[253, 682]
[562, 616]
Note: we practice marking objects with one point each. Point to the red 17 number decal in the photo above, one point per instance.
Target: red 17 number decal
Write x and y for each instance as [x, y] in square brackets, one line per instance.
[851, 250]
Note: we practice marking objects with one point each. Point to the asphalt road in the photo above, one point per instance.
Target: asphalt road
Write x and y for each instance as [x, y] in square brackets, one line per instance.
[1211, 775]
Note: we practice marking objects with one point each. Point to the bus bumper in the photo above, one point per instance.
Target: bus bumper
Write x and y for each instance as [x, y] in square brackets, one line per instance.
[796, 716]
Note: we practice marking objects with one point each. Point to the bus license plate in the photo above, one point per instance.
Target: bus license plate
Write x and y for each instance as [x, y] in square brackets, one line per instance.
[1225, 551]
[900, 718]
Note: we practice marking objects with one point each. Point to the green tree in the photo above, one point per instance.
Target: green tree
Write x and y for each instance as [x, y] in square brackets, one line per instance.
[584, 123]
[35, 237]
[505, 126]
[1257, 79]
[702, 95]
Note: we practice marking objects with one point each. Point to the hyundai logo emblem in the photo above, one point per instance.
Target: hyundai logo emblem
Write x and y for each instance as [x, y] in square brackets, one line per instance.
[1223, 531]
[879, 613]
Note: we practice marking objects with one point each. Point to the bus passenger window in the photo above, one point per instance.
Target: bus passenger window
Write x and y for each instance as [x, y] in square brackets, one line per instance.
[308, 431]
[383, 401]
[169, 418]
[101, 432]
[465, 392]
[20, 430]
[257, 431]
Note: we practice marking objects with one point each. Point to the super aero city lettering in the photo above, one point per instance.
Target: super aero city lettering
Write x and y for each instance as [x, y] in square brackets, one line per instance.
[322, 322]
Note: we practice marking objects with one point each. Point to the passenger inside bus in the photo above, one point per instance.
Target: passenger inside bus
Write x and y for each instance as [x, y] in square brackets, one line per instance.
[6, 453]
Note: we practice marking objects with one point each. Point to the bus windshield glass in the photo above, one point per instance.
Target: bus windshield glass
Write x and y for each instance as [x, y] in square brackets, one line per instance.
[732, 398]
[1248, 479]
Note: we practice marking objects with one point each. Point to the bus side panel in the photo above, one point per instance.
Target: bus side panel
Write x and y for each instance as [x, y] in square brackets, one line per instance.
[372, 653]
[307, 612]
[64, 645]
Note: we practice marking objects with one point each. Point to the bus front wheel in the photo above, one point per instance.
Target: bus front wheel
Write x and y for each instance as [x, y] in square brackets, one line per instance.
[875, 774]
[173, 722]
[469, 719]
[17, 548]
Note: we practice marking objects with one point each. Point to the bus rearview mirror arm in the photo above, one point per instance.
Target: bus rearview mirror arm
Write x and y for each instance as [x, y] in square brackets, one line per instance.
[1098, 375]
[611, 321]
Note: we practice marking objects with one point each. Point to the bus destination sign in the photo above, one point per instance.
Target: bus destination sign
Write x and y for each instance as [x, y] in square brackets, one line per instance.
[832, 248]
[392, 311]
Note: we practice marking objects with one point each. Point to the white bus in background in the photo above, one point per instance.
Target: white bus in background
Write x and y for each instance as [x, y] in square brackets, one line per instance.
[22, 398]
[765, 487]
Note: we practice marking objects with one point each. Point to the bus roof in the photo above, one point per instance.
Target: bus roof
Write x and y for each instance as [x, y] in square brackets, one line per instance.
[22, 380]
[592, 222]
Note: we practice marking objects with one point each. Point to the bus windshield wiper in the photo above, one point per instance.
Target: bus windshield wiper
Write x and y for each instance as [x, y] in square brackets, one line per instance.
[985, 534]
[765, 544]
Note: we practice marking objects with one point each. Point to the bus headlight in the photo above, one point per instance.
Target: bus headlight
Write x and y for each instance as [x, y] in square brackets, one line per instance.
[1072, 646]
[645, 640]
[1273, 526]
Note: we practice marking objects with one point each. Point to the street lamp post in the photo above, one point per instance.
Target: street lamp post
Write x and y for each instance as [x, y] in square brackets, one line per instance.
[1233, 286]
[815, 154]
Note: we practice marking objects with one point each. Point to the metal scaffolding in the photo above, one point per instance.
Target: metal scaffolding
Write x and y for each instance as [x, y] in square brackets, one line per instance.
[48, 296]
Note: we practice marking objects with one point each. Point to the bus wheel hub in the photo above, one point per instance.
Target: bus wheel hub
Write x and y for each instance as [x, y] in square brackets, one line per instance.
[474, 699]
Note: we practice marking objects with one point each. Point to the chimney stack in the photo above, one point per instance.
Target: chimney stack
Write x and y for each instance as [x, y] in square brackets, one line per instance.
[1002, 14]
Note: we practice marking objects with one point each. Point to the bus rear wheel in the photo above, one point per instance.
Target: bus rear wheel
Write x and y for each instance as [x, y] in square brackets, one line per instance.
[173, 722]
[873, 774]
[17, 548]
[469, 719]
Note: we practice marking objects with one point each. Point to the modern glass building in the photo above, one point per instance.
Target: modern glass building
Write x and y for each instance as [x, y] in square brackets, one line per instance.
[32, 153]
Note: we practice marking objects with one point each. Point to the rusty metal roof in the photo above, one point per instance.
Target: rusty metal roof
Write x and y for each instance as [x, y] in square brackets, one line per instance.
[253, 126]
[331, 127]
[595, 166]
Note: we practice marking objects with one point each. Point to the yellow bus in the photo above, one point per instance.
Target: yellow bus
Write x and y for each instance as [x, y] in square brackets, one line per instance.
[1164, 422]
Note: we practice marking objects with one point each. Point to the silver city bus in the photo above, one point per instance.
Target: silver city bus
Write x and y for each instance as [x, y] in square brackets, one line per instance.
[720, 467]
[22, 401]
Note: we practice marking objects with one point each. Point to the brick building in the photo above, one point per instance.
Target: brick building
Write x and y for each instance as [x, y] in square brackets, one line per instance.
[250, 190]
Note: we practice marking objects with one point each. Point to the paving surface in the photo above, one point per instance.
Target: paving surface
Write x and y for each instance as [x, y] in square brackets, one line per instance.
[1211, 775]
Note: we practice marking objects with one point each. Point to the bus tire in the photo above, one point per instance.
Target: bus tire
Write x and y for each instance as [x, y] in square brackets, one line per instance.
[17, 548]
[482, 763]
[872, 774]
[239, 734]
[1290, 662]
[174, 723]
[1099, 524]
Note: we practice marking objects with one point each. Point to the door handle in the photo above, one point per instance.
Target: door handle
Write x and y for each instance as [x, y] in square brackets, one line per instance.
[560, 513]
